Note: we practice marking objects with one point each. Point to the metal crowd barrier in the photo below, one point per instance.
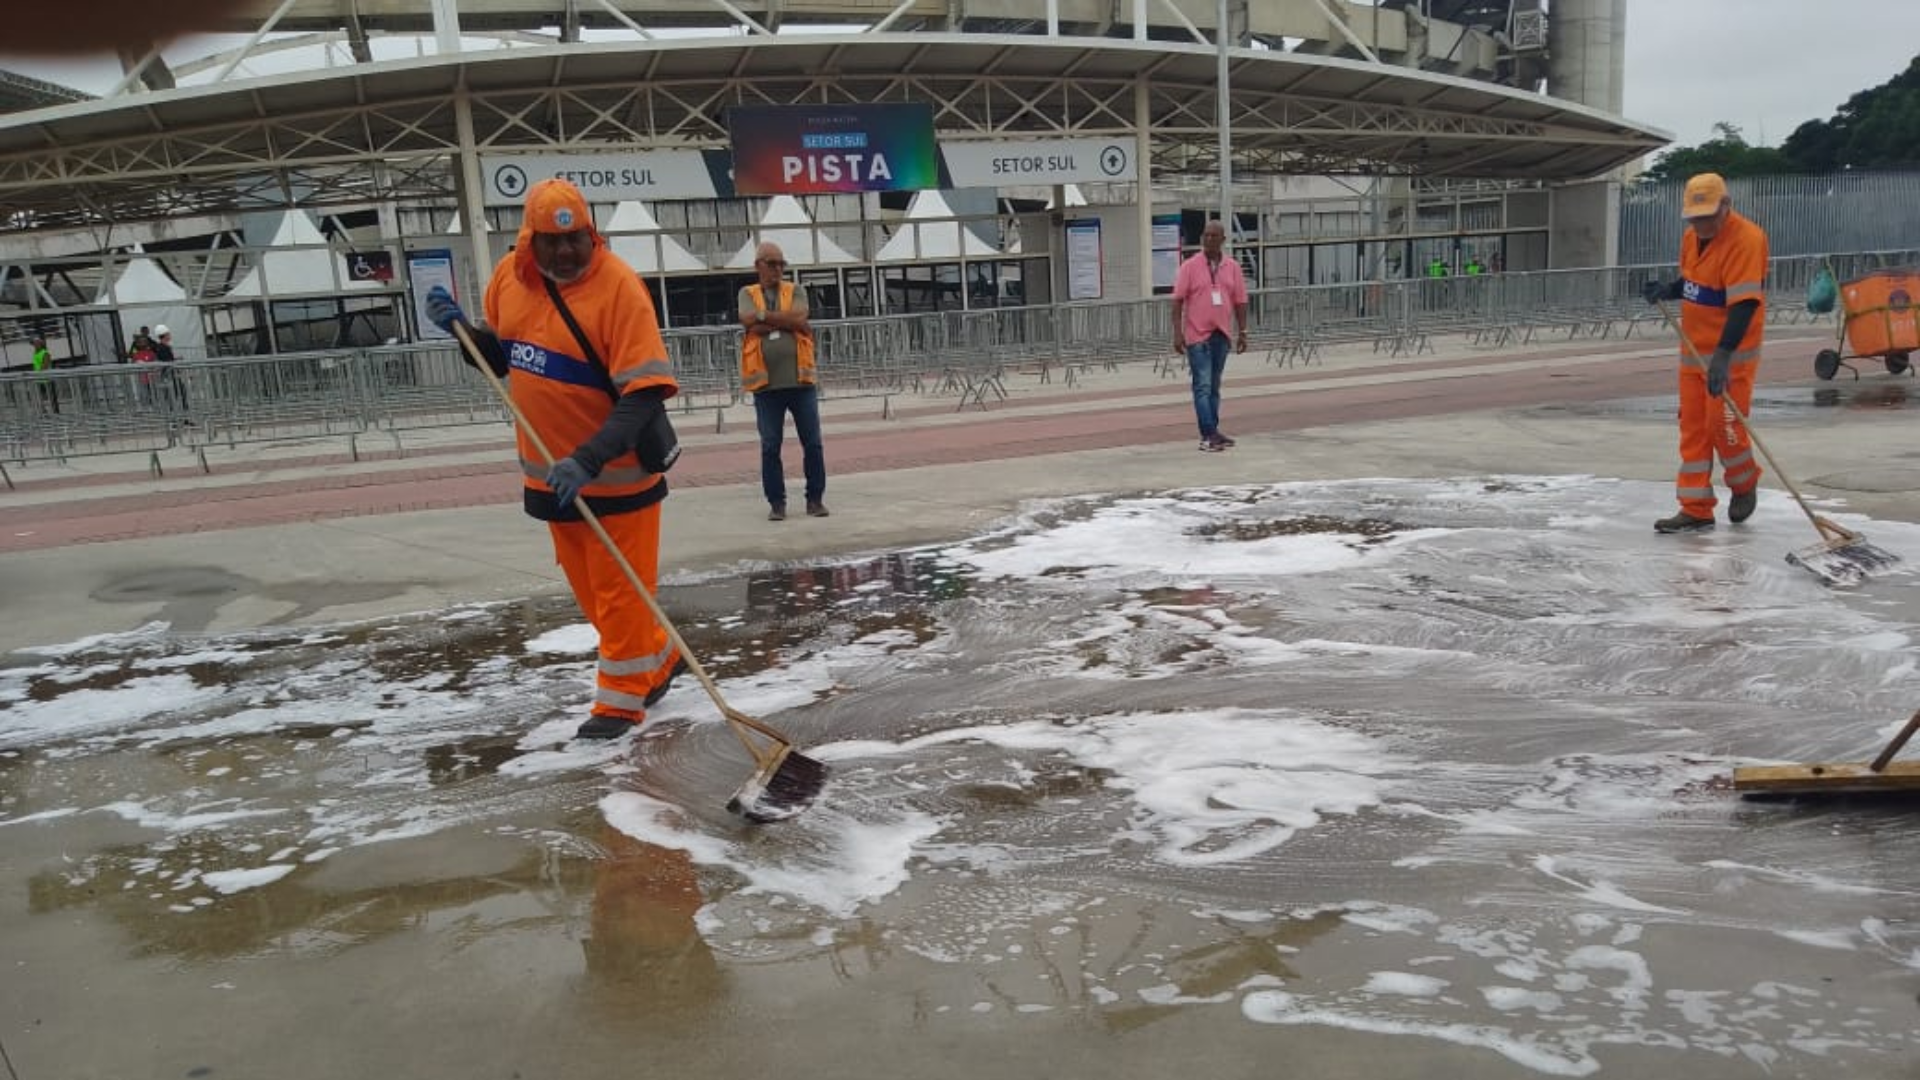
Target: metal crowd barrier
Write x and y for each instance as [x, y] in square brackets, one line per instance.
[967, 355]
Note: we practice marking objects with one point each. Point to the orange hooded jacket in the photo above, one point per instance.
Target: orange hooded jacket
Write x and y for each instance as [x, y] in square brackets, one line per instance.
[562, 393]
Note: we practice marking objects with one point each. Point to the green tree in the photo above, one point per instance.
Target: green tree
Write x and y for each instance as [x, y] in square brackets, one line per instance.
[1727, 153]
[1875, 129]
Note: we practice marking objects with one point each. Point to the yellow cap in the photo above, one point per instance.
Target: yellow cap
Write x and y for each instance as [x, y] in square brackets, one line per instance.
[556, 206]
[1704, 195]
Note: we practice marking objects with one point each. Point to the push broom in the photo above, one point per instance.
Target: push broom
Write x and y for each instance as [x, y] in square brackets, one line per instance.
[1842, 557]
[1881, 775]
[784, 781]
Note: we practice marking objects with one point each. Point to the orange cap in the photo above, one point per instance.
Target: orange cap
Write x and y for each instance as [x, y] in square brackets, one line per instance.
[556, 206]
[1704, 195]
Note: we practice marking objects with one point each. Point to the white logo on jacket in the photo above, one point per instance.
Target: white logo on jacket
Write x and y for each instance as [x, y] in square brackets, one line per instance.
[530, 358]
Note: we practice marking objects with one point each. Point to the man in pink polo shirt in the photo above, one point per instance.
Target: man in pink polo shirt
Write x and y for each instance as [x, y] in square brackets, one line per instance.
[1207, 287]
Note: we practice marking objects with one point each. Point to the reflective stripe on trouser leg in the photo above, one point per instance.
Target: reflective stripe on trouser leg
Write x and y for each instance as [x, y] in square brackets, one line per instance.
[1708, 430]
[1693, 484]
[635, 656]
[1733, 445]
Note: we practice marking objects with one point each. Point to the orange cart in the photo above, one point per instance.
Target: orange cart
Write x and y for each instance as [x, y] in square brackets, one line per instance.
[1879, 319]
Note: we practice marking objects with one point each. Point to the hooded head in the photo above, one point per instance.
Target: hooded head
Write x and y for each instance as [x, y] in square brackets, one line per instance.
[557, 238]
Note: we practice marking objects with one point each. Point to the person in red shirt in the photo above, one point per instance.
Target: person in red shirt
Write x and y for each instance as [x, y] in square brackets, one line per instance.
[598, 386]
[1721, 289]
[1207, 287]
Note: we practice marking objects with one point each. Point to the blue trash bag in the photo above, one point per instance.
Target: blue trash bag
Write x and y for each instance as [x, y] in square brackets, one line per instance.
[1823, 292]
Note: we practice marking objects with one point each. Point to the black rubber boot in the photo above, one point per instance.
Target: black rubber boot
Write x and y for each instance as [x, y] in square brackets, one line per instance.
[1740, 508]
[603, 727]
[1683, 522]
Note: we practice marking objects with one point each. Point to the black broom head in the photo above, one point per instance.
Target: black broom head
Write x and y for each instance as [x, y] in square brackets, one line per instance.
[780, 789]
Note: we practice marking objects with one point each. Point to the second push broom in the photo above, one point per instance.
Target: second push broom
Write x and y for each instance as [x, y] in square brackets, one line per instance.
[784, 781]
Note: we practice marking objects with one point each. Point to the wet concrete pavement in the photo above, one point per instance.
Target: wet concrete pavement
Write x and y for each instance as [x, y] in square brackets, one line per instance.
[346, 843]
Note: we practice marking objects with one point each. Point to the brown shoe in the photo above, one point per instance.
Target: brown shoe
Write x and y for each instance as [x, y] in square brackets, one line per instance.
[816, 508]
[778, 513]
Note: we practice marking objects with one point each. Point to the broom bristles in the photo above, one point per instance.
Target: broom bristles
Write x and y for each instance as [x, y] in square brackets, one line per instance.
[1844, 561]
[780, 789]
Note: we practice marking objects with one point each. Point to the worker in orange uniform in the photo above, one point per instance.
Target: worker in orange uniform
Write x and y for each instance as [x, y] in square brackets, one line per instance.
[575, 332]
[1723, 270]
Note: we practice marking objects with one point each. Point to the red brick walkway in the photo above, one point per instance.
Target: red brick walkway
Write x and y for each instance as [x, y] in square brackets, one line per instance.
[983, 437]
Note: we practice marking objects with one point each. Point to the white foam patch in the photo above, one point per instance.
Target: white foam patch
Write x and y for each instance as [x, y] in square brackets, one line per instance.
[228, 882]
[852, 863]
[1164, 536]
[1280, 1007]
[1210, 787]
[1841, 940]
[86, 712]
[1404, 984]
[579, 640]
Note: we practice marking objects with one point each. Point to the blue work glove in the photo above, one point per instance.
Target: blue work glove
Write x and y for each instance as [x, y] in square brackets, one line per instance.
[1717, 372]
[1652, 292]
[442, 311]
[566, 478]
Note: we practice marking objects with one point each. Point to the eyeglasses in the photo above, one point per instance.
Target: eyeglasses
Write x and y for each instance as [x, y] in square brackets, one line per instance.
[777, 264]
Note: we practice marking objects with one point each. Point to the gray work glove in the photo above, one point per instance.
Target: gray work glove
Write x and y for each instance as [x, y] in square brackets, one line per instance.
[566, 478]
[1717, 372]
[442, 310]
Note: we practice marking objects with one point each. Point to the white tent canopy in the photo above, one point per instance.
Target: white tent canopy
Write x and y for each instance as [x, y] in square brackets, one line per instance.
[146, 296]
[309, 267]
[786, 223]
[641, 243]
[924, 235]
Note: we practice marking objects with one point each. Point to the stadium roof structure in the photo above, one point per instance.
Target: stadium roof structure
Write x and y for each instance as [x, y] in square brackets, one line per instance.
[390, 130]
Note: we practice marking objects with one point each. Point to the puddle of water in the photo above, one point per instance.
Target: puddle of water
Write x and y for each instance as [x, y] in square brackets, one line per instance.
[1442, 760]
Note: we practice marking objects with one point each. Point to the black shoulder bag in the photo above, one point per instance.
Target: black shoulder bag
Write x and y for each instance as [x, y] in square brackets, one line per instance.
[657, 446]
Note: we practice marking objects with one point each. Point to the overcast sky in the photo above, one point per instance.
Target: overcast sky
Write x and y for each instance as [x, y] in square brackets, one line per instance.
[1764, 65]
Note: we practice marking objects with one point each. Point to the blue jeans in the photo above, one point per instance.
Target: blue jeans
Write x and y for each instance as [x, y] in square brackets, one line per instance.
[770, 409]
[1207, 361]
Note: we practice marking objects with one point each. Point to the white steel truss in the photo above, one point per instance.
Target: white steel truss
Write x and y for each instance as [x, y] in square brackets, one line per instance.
[387, 132]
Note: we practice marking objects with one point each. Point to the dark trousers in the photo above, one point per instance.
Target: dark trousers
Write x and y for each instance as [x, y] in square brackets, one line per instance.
[770, 409]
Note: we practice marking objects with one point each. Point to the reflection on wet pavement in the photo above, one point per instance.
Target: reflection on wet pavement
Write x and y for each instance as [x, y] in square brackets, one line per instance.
[1441, 760]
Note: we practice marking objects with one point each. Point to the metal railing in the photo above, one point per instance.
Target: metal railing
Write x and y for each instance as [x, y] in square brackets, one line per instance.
[968, 356]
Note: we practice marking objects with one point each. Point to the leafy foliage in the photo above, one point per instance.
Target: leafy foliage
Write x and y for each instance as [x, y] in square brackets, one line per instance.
[1727, 153]
[1875, 129]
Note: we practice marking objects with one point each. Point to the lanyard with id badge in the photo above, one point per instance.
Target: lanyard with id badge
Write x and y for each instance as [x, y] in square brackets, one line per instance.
[1213, 272]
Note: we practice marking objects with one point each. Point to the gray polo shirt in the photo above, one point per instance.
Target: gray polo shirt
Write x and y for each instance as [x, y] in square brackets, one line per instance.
[782, 354]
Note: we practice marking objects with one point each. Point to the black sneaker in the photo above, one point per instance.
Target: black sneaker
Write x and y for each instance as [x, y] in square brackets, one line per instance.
[654, 695]
[1742, 504]
[604, 727]
[1209, 446]
[1224, 439]
[778, 513]
[1683, 522]
[816, 508]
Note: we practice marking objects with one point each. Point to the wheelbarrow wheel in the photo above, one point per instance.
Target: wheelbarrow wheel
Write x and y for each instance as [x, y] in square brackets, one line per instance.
[1897, 363]
[1826, 363]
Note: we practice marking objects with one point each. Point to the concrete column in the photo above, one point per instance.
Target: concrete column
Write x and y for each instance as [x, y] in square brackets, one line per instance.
[1143, 187]
[1583, 227]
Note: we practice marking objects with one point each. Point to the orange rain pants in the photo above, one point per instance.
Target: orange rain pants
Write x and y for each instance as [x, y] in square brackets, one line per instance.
[635, 655]
[1708, 430]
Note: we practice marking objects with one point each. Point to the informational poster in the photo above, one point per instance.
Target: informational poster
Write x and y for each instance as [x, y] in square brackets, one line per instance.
[425, 269]
[1085, 279]
[1166, 249]
[821, 149]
